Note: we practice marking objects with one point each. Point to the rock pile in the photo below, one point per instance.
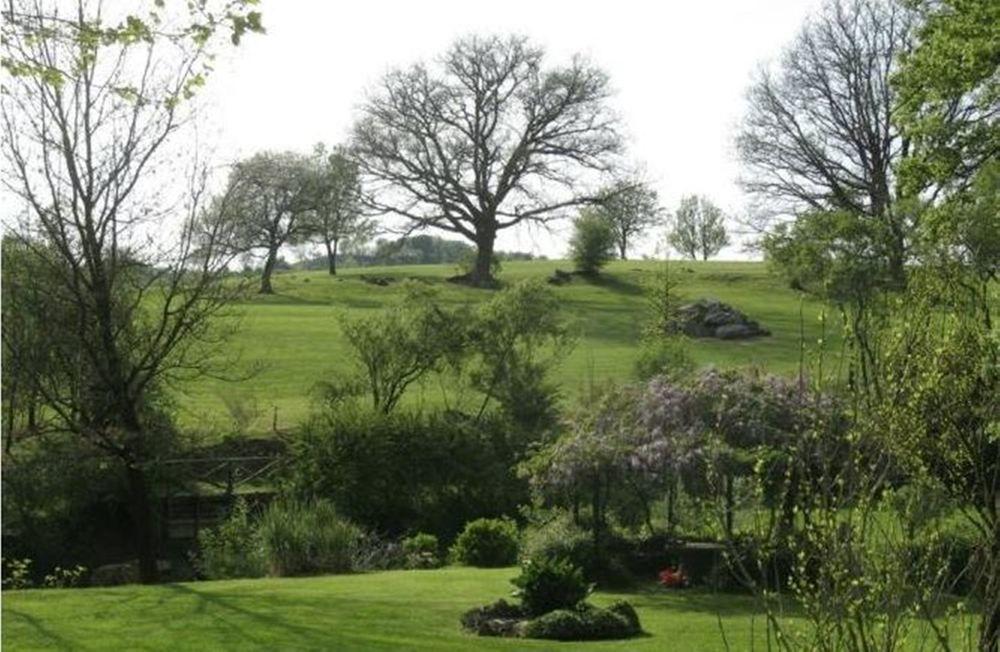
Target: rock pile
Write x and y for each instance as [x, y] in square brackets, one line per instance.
[712, 318]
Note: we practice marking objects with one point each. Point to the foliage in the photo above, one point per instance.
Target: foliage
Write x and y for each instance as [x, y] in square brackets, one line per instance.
[487, 543]
[232, 549]
[422, 551]
[948, 88]
[497, 619]
[698, 228]
[406, 471]
[546, 584]
[302, 538]
[593, 242]
[586, 623]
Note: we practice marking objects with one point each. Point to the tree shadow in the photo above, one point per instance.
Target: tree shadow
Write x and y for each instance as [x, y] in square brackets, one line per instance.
[52, 639]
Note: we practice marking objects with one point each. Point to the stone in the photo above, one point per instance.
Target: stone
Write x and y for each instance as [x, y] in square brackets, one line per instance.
[713, 318]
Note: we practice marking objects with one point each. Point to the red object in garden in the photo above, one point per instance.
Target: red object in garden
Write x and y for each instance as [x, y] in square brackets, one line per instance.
[673, 578]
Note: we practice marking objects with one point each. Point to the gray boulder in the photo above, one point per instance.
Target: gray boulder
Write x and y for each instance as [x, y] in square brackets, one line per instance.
[712, 318]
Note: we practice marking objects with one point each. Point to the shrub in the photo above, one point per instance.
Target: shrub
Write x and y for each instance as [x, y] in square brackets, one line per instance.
[16, 574]
[65, 578]
[232, 549]
[302, 538]
[586, 623]
[548, 584]
[373, 552]
[410, 472]
[593, 243]
[664, 356]
[487, 543]
[421, 551]
[561, 538]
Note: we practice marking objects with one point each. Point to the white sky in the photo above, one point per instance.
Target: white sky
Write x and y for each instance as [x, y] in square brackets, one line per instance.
[680, 68]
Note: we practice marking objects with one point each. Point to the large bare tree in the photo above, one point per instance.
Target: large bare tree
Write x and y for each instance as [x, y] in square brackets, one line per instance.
[484, 140]
[819, 134]
[123, 276]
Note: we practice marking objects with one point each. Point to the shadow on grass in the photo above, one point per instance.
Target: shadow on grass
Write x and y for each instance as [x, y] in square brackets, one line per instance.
[52, 639]
[699, 600]
[314, 638]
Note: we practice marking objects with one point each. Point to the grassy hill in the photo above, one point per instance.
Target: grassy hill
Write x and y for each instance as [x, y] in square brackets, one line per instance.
[294, 335]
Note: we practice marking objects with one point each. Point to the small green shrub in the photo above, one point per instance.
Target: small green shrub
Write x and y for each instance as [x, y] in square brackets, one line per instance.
[664, 356]
[232, 549]
[421, 551]
[487, 543]
[586, 623]
[560, 538]
[303, 538]
[624, 609]
[592, 245]
[547, 584]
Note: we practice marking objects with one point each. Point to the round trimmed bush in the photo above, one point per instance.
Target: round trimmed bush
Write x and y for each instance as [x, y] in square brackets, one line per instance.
[421, 551]
[586, 623]
[487, 543]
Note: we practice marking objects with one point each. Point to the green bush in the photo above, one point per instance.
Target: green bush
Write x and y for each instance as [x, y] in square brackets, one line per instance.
[561, 538]
[301, 538]
[547, 584]
[592, 245]
[664, 356]
[487, 543]
[411, 472]
[421, 551]
[232, 549]
[586, 623]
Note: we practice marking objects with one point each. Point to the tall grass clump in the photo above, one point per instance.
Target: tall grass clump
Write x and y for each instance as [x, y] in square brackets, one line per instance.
[303, 538]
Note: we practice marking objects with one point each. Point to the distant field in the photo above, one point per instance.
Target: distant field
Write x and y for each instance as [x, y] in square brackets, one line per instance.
[294, 335]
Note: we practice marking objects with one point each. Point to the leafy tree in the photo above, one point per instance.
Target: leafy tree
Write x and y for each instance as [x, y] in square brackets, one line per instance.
[948, 90]
[698, 228]
[818, 133]
[271, 197]
[593, 243]
[336, 202]
[398, 346]
[485, 140]
[631, 207]
[514, 339]
[87, 113]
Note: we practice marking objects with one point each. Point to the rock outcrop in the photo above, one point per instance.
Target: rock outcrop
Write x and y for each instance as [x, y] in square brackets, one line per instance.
[712, 318]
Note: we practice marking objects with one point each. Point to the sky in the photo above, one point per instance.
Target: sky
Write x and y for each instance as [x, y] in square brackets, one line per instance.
[680, 69]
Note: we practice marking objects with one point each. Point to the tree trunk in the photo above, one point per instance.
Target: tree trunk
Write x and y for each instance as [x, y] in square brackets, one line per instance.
[482, 273]
[142, 518]
[331, 256]
[265, 277]
[730, 502]
[623, 247]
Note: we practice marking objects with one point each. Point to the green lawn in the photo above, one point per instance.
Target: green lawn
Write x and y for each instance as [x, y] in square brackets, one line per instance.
[294, 336]
[412, 610]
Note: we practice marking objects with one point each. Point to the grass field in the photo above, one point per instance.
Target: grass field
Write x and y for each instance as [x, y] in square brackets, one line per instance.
[412, 610]
[294, 336]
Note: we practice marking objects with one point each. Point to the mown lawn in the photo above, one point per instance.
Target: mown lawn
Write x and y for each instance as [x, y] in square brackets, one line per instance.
[411, 610]
[294, 336]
